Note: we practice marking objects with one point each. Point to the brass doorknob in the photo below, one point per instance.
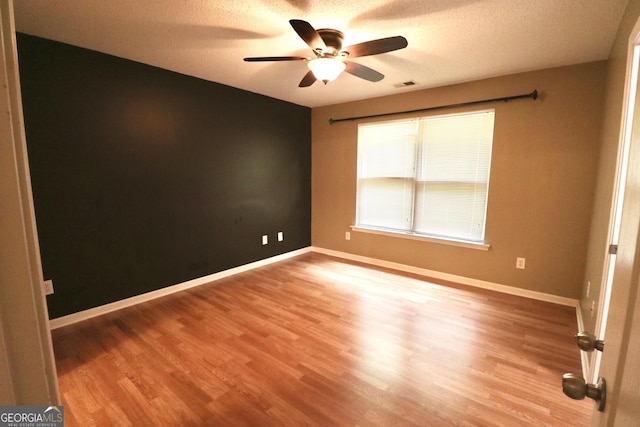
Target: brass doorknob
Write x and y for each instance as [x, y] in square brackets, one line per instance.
[574, 386]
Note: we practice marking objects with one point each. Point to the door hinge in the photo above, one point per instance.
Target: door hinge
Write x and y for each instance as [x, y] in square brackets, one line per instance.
[613, 249]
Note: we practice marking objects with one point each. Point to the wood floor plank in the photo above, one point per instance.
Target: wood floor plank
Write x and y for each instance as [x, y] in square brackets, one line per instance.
[319, 341]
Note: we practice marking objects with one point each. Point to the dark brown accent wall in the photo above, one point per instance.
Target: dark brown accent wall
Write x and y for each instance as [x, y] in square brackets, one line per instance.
[144, 178]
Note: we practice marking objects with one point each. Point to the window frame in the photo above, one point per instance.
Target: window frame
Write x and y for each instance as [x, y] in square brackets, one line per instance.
[415, 182]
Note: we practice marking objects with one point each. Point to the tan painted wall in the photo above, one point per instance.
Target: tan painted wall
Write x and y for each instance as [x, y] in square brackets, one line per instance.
[616, 71]
[543, 176]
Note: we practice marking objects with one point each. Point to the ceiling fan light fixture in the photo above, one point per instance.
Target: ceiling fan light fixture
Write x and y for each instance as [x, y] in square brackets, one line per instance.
[330, 60]
[326, 69]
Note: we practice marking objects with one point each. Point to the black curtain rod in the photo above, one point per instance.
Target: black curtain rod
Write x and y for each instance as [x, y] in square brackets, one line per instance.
[533, 95]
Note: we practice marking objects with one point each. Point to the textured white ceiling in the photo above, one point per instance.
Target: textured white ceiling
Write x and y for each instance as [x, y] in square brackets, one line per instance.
[450, 41]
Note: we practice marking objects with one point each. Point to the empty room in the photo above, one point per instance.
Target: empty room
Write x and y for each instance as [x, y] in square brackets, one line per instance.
[366, 213]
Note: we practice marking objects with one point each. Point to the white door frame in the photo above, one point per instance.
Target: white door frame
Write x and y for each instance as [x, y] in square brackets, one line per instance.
[619, 361]
[624, 144]
[27, 365]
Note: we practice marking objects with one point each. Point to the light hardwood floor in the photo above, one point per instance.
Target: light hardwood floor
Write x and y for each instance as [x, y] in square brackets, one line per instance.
[319, 341]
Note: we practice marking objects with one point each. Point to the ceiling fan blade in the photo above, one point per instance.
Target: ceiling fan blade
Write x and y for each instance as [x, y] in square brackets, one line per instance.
[363, 72]
[375, 47]
[307, 80]
[309, 35]
[275, 58]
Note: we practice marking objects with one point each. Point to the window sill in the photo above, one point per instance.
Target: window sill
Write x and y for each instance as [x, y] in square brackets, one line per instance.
[413, 236]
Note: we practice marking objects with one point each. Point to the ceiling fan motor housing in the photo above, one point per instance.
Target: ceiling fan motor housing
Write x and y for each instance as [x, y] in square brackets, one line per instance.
[333, 40]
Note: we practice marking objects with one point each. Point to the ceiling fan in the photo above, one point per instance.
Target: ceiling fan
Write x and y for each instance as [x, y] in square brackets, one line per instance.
[331, 59]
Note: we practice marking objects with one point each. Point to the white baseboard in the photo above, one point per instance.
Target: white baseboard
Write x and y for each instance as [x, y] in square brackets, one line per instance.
[128, 302]
[540, 296]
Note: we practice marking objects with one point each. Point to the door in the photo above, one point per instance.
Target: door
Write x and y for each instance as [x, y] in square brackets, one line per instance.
[27, 365]
[630, 106]
[616, 211]
[620, 360]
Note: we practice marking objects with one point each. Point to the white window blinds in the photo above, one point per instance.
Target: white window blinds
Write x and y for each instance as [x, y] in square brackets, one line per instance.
[426, 176]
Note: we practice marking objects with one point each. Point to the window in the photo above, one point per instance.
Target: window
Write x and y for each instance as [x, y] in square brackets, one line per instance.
[426, 176]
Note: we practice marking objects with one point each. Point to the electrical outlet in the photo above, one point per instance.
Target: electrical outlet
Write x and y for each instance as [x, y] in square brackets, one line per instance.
[48, 287]
[520, 262]
[265, 240]
[347, 235]
[280, 236]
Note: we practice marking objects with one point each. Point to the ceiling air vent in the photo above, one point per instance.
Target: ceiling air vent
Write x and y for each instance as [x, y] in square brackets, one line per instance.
[405, 84]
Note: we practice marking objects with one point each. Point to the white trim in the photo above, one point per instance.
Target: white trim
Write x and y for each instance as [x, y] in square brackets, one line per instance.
[540, 296]
[27, 363]
[108, 308]
[414, 236]
[584, 356]
[618, 192]
[128, 302]
[579, 318]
